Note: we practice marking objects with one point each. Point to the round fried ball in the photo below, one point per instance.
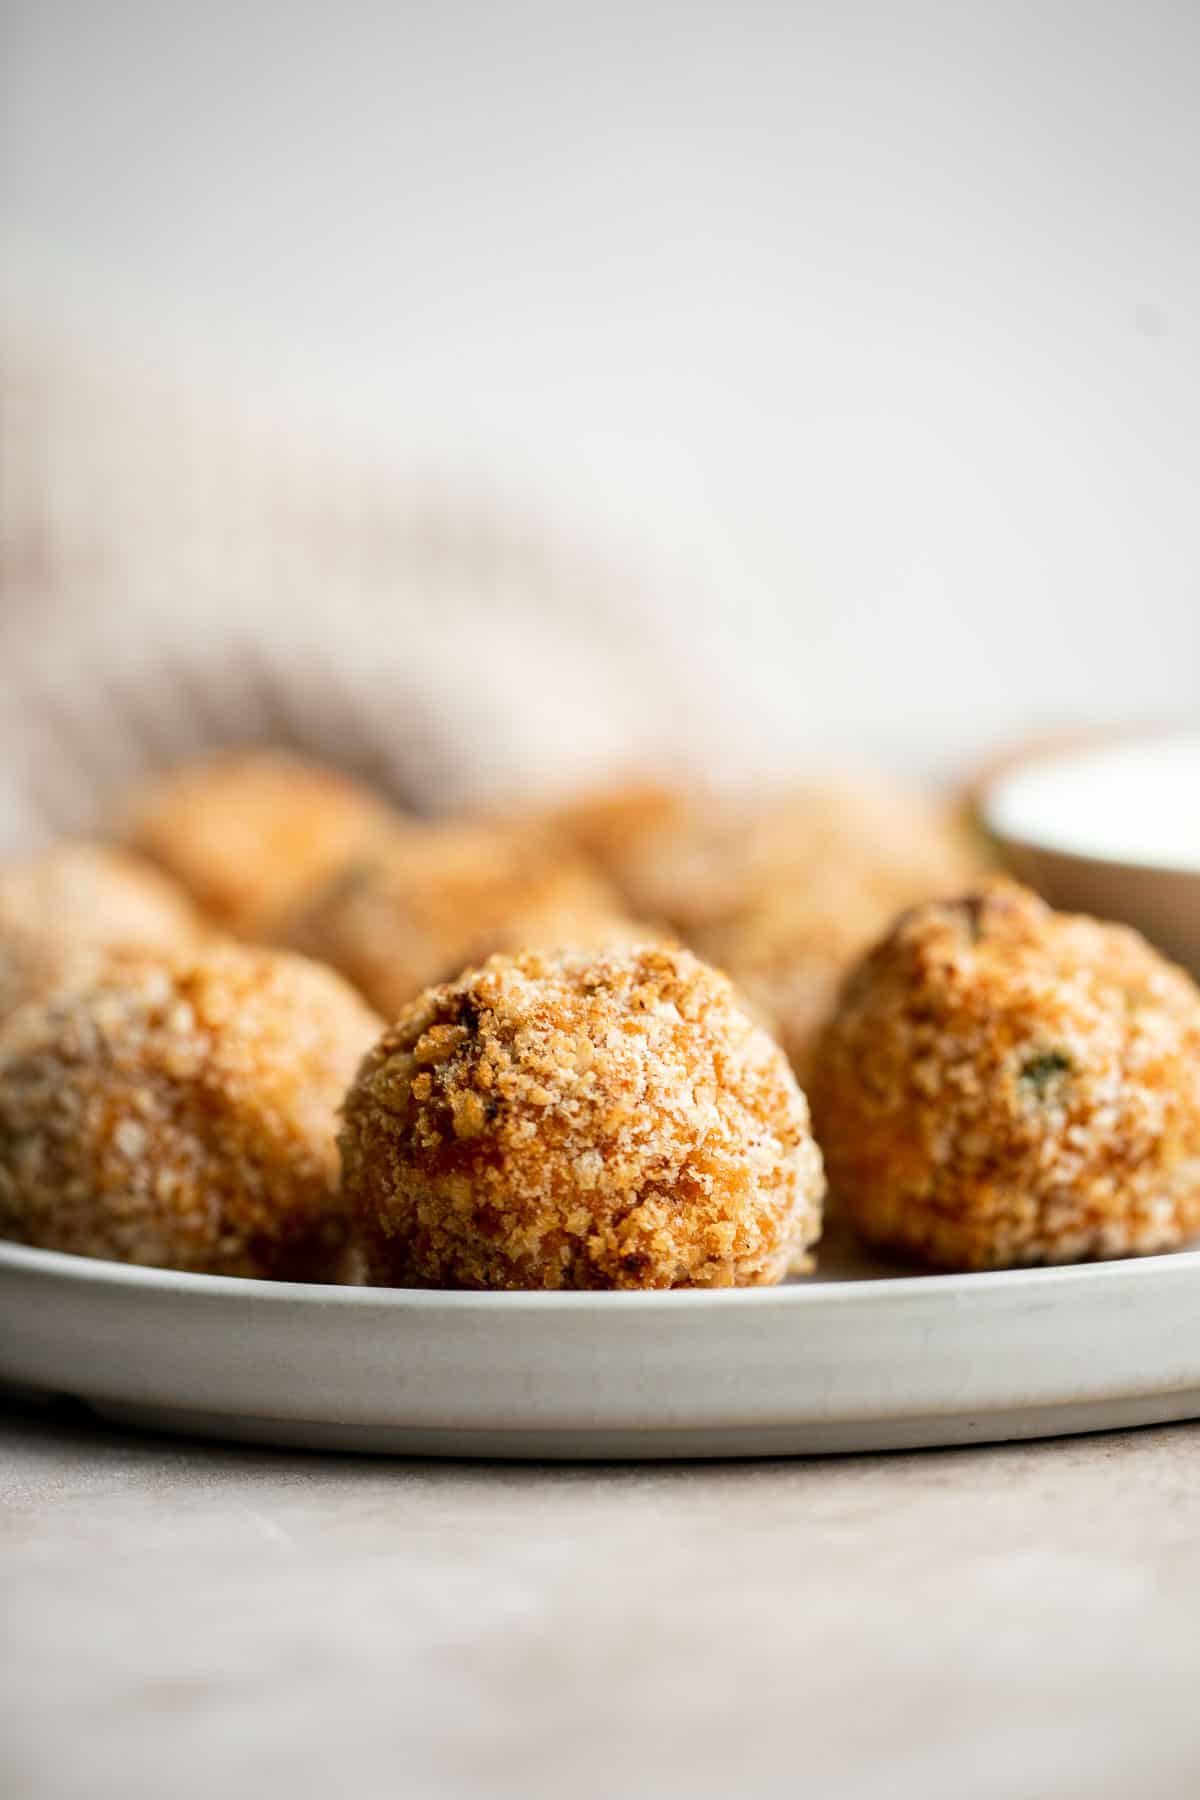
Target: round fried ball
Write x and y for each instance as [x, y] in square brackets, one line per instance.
[183, 1115]
[608, 1120]
[246, 832]
[65, 912]
[440, 897]
[1003, 1084]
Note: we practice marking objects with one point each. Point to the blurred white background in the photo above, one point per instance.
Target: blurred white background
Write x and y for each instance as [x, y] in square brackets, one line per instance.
[869, 333]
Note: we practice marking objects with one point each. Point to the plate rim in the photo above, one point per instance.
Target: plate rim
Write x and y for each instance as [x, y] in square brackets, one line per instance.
[105, 1273]
[853, 1364]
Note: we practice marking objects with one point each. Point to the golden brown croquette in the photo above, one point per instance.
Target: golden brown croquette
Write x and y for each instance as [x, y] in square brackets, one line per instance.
[609, 1120]
[1004, 1084]
[246, 832]
[183, 1114]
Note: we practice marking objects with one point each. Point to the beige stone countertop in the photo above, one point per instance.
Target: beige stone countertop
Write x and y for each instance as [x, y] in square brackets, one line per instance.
[187, 1619]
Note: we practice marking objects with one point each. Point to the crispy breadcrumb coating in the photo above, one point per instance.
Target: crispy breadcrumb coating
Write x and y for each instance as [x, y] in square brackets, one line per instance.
[246, 832]
[183, 1115]
[1003, 1084]
[66, 912]
[438, 898]
[608, 1120]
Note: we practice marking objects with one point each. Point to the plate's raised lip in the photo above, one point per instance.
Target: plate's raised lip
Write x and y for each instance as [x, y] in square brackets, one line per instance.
[1000, 825]
[96, 1273]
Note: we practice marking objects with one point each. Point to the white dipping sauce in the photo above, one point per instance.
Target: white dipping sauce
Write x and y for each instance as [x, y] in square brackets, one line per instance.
[1130, 803]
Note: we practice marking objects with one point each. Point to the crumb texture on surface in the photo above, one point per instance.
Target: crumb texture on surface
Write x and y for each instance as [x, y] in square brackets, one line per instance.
[608, 1120]
[183, 1115]
[1003, 1084]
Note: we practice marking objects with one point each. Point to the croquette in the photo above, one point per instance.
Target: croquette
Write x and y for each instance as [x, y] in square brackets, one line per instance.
[581, 1120]
[183, 1114]
[1002, 1084]
[246, 832]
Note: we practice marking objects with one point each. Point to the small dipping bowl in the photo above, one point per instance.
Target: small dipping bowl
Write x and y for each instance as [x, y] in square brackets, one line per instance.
[1114, 832]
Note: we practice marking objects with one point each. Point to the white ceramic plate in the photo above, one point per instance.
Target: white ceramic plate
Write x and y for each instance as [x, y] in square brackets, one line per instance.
[1113, 831]
[831, 1363]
